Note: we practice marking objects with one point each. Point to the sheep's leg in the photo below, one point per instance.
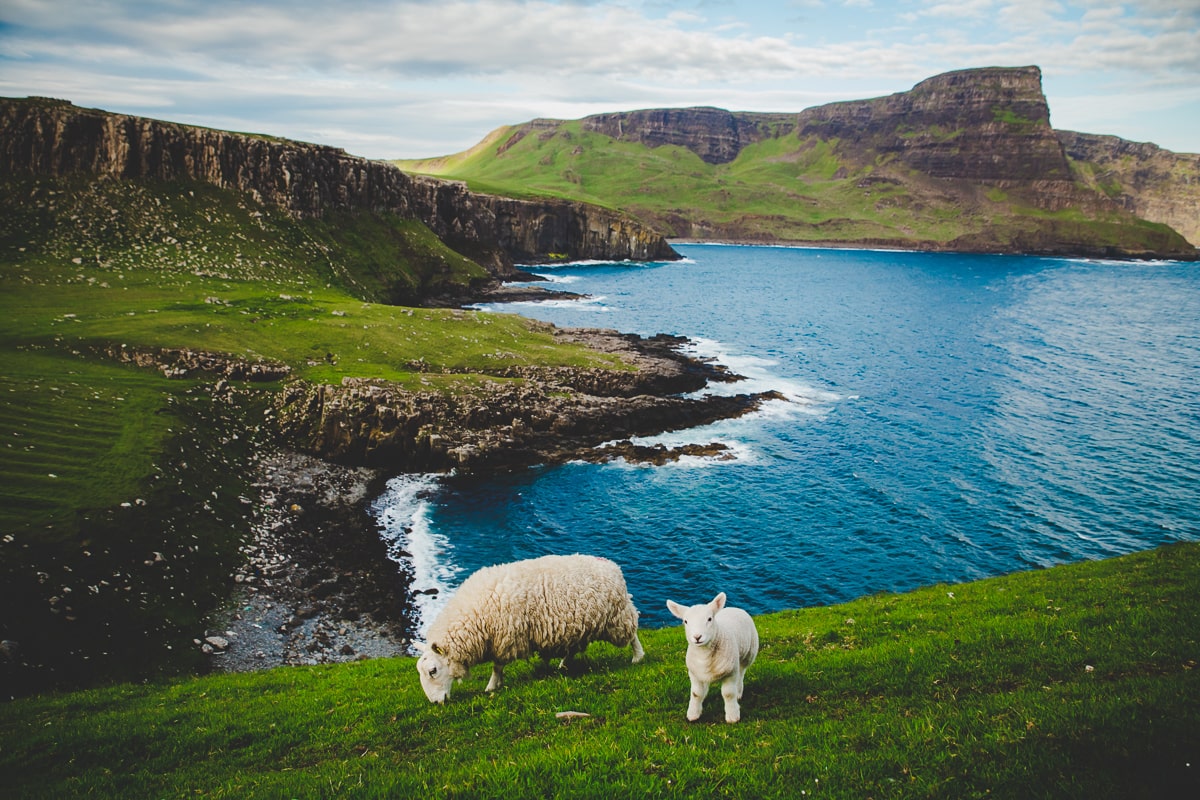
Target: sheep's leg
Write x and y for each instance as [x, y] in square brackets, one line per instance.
[638, 652]
[731, 690]
[696, 703]
[497, 677]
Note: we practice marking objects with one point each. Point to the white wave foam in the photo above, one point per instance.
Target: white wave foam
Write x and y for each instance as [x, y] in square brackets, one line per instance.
[587, 262]
[575, 304]
[736, 452]
[768, 246]
[759, 377]
[403, 513]
[548, 278]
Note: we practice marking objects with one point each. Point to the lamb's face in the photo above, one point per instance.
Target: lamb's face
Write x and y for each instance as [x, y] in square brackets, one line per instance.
[699, 621]
[698, 625]
[436, 673]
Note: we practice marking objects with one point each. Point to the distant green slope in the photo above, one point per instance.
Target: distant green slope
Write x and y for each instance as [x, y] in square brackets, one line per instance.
[791, 188]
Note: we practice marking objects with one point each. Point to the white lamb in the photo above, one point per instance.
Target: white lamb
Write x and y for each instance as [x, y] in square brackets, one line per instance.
[553, 605]
[722, 644]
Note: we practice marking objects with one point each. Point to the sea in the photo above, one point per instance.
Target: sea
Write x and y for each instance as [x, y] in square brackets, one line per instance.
[948, 417]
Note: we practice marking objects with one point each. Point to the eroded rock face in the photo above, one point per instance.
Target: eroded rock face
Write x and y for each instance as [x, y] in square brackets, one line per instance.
[716, 135]
[1151, 182]
[54, 138]
[980, 124]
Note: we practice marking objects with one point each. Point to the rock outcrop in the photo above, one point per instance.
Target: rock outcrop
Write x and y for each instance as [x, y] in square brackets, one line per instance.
[545, 415]
[714, 134]
[55, 138]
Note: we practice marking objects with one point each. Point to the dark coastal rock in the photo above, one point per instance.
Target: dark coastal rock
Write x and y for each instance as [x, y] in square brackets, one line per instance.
[317, 585]
[659, 454]
[550, 415]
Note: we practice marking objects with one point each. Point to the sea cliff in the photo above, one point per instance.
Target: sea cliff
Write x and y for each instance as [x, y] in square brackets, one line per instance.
[55, 139]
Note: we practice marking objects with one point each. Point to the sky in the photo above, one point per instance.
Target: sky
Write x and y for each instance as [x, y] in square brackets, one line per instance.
[417, 78]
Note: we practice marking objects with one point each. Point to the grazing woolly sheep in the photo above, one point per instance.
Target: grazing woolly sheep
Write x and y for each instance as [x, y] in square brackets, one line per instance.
[553, 605]
[722, 644]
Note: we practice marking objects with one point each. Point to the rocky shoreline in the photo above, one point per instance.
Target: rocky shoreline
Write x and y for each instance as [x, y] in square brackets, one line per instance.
[317, 585]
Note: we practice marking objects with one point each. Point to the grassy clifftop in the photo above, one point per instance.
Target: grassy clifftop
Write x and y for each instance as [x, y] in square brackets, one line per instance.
[1078, 681]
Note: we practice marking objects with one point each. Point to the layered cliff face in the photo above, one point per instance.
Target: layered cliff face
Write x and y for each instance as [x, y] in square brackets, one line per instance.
[56, 139]
[1149, 181]
[716, 135]
[982, 124]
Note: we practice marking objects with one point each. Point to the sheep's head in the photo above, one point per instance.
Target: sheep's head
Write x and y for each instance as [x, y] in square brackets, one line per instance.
[437, 671]
[699, 621]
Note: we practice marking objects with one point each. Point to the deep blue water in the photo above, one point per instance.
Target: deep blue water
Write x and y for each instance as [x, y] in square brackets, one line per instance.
[952, 417]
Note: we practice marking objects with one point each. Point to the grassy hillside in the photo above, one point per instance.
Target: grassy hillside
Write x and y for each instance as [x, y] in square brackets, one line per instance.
[125, 494]
[787, 188]
[1079, 681]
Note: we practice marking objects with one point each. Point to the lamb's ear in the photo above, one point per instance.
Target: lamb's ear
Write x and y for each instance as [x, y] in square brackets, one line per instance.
[419, 647]
[676, 609]
[718, 602]
[435, 647]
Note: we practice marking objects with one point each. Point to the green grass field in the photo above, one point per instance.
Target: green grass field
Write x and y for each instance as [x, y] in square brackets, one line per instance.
[1078, 681]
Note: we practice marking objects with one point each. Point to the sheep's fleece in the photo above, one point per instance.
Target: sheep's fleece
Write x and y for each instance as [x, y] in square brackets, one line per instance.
[553, 605]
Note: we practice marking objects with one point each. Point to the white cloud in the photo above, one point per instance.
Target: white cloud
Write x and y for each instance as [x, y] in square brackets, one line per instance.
[397, 77]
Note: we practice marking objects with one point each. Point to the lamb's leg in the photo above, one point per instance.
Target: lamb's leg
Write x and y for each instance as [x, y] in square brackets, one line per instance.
[731, 691]
[638, 652]
[497, 677]
[696, 703]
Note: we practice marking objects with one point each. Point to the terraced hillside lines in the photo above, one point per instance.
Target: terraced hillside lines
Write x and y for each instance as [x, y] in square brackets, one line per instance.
[76, 435]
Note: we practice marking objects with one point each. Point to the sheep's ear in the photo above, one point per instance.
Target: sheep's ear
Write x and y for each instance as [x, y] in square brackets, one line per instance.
[676, 609]
[419, 647]
[437, 649]
[718, 602]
